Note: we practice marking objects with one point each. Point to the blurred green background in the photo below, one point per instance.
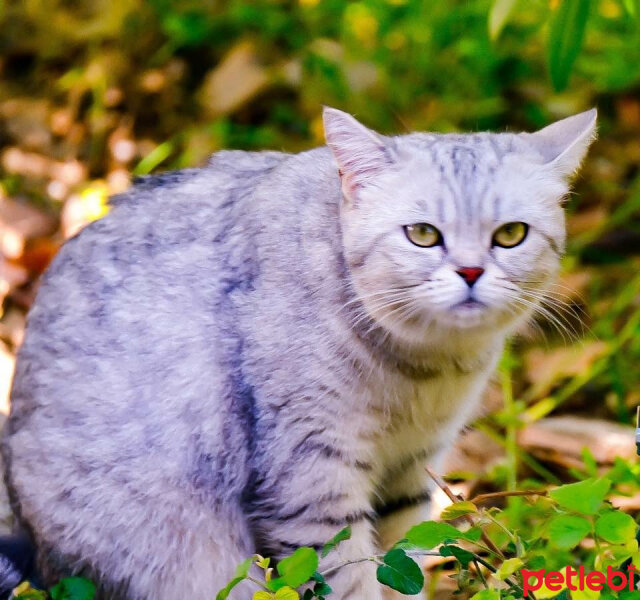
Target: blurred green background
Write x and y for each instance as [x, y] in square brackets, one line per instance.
[95, 92]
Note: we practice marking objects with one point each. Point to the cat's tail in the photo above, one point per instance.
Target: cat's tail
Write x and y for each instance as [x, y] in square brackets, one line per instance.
[17, 562]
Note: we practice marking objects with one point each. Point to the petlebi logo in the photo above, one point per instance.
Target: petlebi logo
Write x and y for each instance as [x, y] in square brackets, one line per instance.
[553, 582]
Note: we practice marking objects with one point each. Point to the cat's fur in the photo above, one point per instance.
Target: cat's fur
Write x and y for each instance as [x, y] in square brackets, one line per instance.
[249, 356]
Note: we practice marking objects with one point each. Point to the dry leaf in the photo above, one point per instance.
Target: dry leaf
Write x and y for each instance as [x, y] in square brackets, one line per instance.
[237, 79]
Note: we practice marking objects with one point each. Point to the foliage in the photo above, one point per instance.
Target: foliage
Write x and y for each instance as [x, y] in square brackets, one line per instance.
[490, 555]
[69, 588]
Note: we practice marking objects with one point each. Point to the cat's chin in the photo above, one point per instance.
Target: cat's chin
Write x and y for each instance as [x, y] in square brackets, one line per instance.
[474, 314]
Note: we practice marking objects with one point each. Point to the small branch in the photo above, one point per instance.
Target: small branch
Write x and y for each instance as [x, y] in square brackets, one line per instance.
[491, 568]
[442, 484]
[480, 573]
[257, 582]
[491, 495]
[346, 564]
[377, 558]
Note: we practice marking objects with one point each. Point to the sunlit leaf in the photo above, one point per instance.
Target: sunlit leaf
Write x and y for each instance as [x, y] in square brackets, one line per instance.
[296, 569]
[567, 531]
[242, 571]
[509, 567]
[486, 595]
[584, 497]
[459, 509]
[499, 15]
[585, 594]
[25, 592]
[157, 156]
[430, 534]
[630, 7]
[287, 593]
[332, 544]
[616, 527]
[566, 34]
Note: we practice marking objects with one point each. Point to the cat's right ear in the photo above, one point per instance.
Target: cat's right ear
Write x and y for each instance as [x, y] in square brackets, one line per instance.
[359, 152]
[563, 144]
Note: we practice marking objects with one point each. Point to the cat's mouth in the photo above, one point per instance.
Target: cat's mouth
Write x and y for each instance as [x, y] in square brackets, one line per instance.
[470, 304]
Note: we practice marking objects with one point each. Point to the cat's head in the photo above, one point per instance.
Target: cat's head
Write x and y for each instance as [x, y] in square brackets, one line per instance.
[446, 233]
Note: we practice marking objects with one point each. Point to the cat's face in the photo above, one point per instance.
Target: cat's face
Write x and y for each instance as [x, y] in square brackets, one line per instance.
[454, 232]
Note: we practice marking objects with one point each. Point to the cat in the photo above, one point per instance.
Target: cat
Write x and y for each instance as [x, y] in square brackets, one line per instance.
[250, 356]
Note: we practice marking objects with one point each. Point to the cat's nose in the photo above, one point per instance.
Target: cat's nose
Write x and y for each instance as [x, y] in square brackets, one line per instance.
[470, 274]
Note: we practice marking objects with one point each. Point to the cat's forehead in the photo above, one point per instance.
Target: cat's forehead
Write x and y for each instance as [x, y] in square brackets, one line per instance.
[485, 176]
[463, 151]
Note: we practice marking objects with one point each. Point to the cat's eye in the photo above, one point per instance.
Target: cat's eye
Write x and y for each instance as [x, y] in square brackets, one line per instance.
[510, 234]
[423, 235]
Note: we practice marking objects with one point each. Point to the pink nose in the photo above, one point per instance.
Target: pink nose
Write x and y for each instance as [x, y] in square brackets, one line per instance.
[470, 274]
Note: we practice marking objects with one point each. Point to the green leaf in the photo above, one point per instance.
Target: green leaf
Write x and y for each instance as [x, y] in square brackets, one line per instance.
[583, 497]
[73, 588]
[566, 34]
[508, 567]
[473, 534]
[585, 594]
[459, 509]
[499, 15]
[287, 593]
[567, 531]
[262, 595]
[629, 595]
[544, 593]
[332, 544]
[242, 570]
[430, 534]
[401, 573]
[25, 592]
[630, 7]
[297, 568]
[158, 155]
[464, 557]
[321, 588]
[616, 527]
[486, 595]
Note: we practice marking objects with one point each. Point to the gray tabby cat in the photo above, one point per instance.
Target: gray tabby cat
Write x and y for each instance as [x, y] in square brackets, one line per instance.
[249, 356]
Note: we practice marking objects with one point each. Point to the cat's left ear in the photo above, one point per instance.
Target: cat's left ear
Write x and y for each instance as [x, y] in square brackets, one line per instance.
[563, 144]
[360, 153]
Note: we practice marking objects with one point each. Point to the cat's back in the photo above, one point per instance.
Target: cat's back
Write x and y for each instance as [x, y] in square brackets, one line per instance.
[128, 320]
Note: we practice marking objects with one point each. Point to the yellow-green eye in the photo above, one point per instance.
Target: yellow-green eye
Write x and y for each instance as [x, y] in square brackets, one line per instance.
[423, 235]
[510, 234]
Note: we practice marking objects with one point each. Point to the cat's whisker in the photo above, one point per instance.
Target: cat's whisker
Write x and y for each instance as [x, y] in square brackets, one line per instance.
[567, 333]
[534, 303]
[561, 309]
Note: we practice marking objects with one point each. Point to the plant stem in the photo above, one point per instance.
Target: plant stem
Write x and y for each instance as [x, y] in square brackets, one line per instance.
[441, 483]
[480, 573]
[258, 582]
[491, 495]
[376, 558]
[511, 434]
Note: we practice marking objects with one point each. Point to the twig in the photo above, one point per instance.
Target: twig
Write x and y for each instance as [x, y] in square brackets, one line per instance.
[441, 483]
[491, 568]
[480, 573]
[489, 496]
[375, 558]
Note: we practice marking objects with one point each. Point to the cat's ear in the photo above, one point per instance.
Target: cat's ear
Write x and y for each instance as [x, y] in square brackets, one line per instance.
[563, 144]
[360, 153]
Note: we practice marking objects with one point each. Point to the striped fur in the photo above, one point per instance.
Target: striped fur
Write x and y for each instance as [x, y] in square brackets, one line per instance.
[250, 356]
